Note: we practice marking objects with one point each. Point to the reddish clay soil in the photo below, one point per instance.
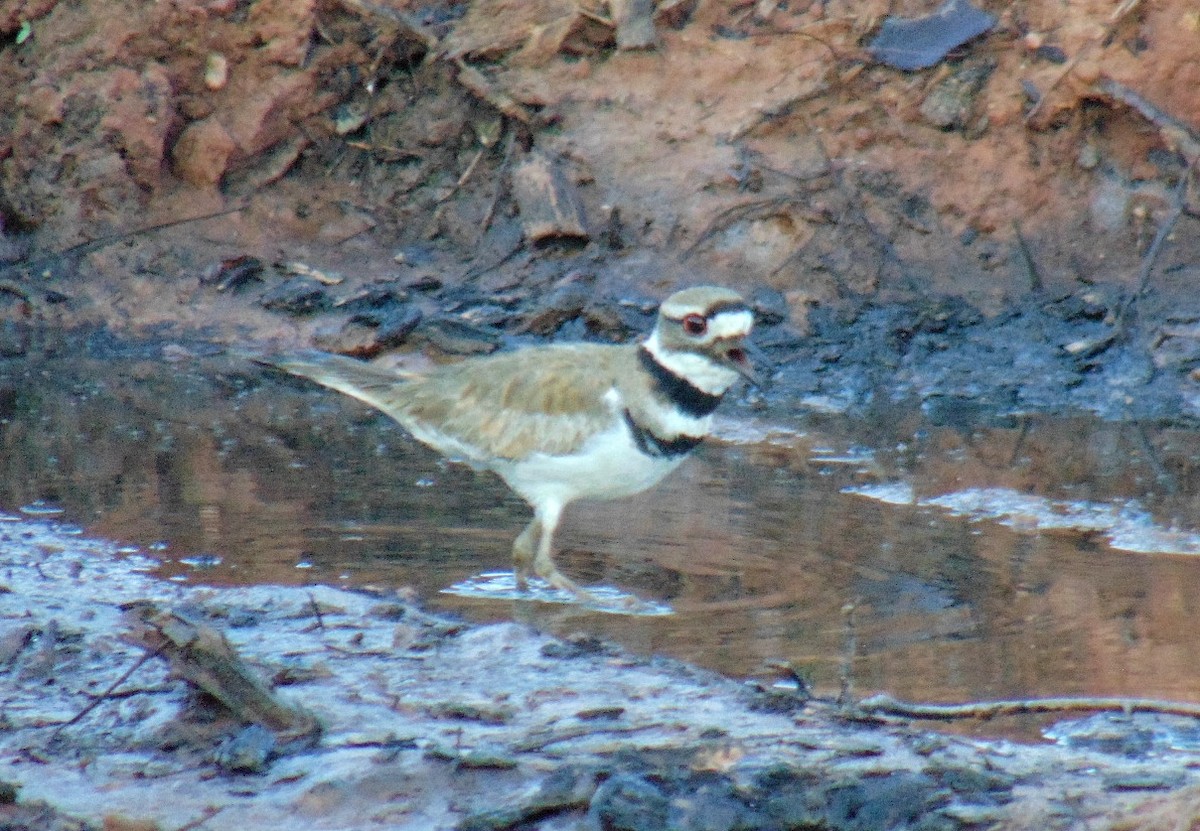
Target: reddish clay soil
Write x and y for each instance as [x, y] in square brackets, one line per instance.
[757, 144]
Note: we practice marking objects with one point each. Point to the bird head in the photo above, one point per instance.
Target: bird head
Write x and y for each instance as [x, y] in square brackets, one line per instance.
[701, 336]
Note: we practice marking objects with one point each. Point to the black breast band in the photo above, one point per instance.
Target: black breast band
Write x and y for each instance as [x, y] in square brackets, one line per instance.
[652, 445]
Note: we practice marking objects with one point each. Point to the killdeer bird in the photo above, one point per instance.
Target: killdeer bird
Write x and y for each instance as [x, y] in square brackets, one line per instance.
[564, 422]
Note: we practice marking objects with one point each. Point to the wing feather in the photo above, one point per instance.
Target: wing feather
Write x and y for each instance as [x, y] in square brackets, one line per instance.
[509, 406]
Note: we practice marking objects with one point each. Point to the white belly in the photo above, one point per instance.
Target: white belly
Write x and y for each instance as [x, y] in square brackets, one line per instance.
[608, 466]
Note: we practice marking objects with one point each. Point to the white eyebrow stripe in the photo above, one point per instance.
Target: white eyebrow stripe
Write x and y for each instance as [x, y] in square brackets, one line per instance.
[729, 324]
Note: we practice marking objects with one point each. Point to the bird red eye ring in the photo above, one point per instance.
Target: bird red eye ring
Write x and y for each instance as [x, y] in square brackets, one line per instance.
[695, 324]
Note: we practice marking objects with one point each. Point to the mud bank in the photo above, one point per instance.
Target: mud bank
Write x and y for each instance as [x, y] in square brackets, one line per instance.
[429, 723]
[1011, 225]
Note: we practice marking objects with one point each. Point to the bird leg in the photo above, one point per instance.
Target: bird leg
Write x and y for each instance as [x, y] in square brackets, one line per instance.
[523, 553]
[539, 560]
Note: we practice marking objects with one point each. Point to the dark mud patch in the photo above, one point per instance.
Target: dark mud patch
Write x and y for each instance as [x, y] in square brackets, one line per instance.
[1045, 354]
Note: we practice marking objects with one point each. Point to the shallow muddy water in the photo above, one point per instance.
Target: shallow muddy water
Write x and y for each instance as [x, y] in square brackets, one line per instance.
[980, 558]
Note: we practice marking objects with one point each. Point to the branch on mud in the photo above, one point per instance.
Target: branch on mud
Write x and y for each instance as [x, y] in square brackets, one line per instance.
[82, 248]
[748, 212]
[1178, 209]
[1118, 16]
[886, 705]
[107, 694]
[1173, 131]
[203, 657]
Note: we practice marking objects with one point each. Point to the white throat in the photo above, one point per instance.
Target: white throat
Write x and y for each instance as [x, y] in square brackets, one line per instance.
[699, 371]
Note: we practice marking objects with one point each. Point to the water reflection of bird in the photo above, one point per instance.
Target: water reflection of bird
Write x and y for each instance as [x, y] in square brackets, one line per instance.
[565, 422]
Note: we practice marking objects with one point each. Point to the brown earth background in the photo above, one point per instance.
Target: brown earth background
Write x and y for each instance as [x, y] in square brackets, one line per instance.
[756, 144]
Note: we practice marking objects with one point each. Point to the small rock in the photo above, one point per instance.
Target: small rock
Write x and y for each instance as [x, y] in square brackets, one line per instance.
[950, 103]
[373, 298]
[1089, 157]
[472, 711]
[769, 305]
[714, 806]
[247, 752]
[233, 272]
[577, 646]
[628, 803]
[216, 71]
[396, 325]
[1109, 205]
[606, 321]
[458, 337]
[353, 338]
[203, 152]
[298, 296]
[566, 788]
[563, 304]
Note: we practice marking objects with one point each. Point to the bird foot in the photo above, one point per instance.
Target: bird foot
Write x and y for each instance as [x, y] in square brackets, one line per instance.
[554, 578]
[561, 582]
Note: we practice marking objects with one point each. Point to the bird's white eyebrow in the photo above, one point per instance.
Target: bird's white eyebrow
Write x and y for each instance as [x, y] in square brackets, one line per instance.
[729, 324]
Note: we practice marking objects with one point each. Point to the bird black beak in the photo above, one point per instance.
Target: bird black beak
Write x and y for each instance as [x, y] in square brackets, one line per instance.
[738, 358]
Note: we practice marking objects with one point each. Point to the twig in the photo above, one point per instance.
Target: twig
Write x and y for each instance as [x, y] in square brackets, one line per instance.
[108, 239]
[541, 740]
[208, 813]
[478, 83]
[757, 209]
[886, 705]
[462, 180]
[469, 77]
[1027, 262]
[316, 608]
[1114, 20]
[1173, 131]
[510, 145]
[104, 696]
[204, 658]
[849, 648]
[1179, 198]
[9, 287]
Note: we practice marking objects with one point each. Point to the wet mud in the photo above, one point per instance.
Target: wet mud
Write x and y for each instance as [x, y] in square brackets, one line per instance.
[429, 723]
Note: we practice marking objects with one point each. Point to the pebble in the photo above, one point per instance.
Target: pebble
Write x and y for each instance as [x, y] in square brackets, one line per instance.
[246, 752]
[297, 296]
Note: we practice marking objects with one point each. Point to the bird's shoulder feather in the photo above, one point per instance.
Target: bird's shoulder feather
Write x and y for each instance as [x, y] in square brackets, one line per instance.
[549, 399]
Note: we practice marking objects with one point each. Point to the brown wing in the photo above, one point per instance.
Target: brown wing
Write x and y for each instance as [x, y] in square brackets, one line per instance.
[509, 406]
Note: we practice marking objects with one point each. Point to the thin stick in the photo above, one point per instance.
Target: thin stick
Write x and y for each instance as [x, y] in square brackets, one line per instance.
[462, 180]
[94, 703]
[849, 648]
[316, 608]
[1164, 230]
[109, 239]
[885, 704]
[207, 814]
[1031, 270]
[1114, 20]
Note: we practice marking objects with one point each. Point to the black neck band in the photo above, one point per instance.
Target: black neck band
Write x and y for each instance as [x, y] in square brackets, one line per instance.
[679, 391]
